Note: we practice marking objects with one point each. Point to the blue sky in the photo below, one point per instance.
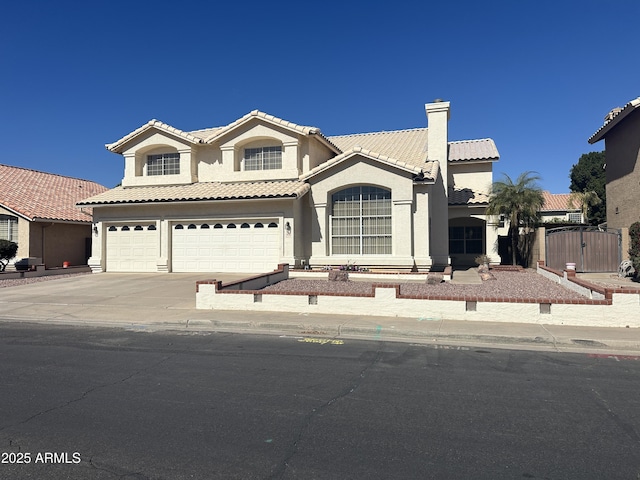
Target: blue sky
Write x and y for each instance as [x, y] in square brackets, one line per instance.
[537, 77]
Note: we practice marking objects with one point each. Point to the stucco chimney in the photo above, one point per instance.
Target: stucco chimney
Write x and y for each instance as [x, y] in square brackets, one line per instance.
[438, 114]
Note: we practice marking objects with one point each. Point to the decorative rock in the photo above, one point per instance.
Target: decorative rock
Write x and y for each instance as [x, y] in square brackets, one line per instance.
[338, 276]
[487, 276]
[434, 278]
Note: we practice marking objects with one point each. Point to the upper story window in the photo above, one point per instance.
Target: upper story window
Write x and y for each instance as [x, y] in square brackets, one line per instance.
[8, 228]
[263, 158]
[163, 164]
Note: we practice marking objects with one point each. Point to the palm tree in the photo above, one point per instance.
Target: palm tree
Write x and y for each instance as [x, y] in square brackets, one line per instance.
[518, 201]
[584, 200]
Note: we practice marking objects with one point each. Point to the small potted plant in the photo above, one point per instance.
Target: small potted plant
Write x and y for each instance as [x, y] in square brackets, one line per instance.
[483, 262]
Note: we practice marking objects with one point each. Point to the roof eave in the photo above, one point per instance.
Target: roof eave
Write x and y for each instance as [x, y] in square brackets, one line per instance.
[117, 146]
[331, 163]
[606, 128]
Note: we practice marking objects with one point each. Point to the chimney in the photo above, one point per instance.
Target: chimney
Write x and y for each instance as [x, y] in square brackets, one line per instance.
[438, 114]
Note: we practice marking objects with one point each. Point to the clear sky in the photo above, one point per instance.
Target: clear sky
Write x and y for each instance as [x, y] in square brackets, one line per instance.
[537, 77]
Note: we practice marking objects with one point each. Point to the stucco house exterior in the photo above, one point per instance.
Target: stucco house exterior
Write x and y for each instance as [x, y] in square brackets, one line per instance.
[38, 211]
[621, 134]
[262, 190]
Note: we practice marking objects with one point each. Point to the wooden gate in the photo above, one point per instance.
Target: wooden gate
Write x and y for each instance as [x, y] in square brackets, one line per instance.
[590, 248]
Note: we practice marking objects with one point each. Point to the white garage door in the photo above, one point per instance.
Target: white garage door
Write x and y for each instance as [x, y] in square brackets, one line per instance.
[132, 248]
[230, 246]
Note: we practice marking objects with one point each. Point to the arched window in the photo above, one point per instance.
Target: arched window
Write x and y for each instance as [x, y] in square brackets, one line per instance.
[272, 225]
[125, 229]
[204, 226]
[113, 229]
[151, 227]
[179, 227]
[138, 228]
[191, 227]
[361, 221]
[258, 225]
[231, 225]
[244, 225]
[217, 225]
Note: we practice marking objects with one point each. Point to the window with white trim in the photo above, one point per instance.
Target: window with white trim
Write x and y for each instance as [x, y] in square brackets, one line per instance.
[163, 164]
[575, 217]
[9, 228]
[361, 221]
[263, 158]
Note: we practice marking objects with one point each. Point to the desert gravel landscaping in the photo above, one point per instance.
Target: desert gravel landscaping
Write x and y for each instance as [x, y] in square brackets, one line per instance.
[507, 284]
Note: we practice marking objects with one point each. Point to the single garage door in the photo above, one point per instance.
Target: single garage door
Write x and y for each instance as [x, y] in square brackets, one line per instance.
[230, 246]
[132, 248]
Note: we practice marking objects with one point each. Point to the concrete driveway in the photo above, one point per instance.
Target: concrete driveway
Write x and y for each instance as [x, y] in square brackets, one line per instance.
[134, 297]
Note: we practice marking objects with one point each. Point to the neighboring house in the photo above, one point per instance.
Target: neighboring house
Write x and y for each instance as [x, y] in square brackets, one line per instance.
[558, 207]
[621, 134]
[262, 191]
[38, 211]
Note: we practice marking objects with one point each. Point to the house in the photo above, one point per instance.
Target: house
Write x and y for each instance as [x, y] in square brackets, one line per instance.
[38, 211]
[262, 191]
[621, 134]
[558, 207]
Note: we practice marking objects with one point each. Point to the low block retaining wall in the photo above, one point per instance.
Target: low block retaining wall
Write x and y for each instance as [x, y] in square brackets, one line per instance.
[40, 271]
[615, 308]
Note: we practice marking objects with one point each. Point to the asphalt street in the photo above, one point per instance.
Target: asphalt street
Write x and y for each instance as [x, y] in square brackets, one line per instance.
[103, 403]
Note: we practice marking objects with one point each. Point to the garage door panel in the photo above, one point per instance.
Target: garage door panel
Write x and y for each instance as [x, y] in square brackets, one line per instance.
[221, 248]
[135, 249]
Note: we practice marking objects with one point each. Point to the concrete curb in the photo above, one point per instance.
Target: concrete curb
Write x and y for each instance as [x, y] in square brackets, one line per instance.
[349, 331]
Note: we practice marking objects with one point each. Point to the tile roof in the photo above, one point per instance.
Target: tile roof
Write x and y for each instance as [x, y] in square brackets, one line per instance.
[210, 135]
[429, 169]
[468, 150]
[554, 202]
[46, 196]
[201, 191]
[410, 146]
[467, 196]
[117, 145]
[613, 118]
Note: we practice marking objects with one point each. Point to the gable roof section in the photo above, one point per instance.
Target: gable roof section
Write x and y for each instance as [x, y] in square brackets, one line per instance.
[473, 150]
[556, 202]
[200, 192]
[428, 169]
[614, 120]
[216, 133]
[45, 196]
[150, 125]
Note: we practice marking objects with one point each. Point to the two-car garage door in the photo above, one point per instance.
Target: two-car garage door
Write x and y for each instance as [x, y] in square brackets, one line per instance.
[225, 247]
[229, 246]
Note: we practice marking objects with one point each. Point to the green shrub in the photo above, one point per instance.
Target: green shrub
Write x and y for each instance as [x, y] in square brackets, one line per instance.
[8, 250]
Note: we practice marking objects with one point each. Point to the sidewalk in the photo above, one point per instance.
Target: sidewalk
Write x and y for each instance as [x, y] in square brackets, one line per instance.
[149, 302]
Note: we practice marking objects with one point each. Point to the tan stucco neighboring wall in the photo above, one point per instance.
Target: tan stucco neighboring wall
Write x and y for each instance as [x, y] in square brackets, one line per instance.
[56, 243]
[622, 145]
